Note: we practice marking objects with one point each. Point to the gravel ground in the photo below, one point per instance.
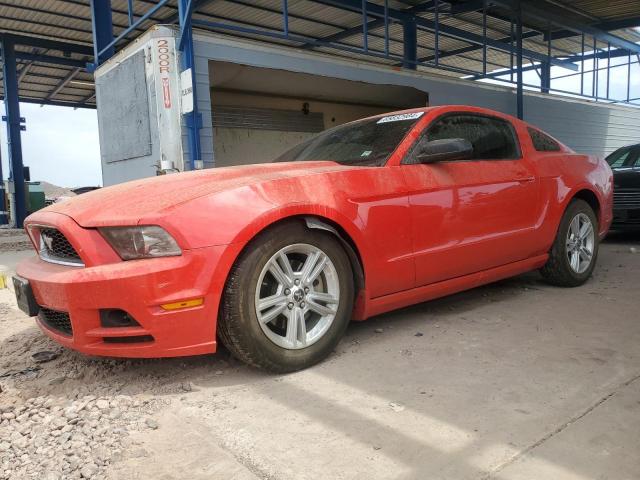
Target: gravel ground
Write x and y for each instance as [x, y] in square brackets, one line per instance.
[63, 419]
[73, 416]
[13, 239]
[515, 380]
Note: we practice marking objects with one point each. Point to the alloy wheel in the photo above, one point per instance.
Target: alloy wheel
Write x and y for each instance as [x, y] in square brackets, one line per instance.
[297, 296]
[580, 243]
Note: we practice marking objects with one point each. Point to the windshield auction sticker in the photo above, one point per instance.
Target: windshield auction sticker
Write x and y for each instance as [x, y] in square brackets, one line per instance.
[401, 117]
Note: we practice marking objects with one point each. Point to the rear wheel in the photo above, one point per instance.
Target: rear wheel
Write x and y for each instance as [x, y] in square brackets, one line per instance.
[288, 299]
[573, 255]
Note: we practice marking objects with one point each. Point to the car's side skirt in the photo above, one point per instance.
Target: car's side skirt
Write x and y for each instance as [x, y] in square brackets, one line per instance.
[387, 303]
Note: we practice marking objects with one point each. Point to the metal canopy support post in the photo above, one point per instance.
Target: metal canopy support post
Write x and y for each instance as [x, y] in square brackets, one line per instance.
[12, 108]
[484, 37]
[436, 33]
[365, 31]
[285, 17]
[608, 67]
[594, 82]
[410, 43]
[628, 76]
[386, 27]
[519, 78]
[130, 12]
[582, 68]
[193, 119]
[102, 23]
[511, 38]
[545, 77]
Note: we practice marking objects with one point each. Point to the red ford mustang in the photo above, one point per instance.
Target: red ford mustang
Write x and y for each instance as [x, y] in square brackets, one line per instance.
[276, 259]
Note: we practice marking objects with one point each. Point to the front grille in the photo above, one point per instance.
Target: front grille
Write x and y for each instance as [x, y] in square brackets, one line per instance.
[58, 321]
[626, 198]
[55, 247]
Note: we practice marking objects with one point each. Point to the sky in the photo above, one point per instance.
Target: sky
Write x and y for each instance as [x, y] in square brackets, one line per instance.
[61, 144]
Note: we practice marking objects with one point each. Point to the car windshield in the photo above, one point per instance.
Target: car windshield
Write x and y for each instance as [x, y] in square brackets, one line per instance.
[366, 142]
[623, 157]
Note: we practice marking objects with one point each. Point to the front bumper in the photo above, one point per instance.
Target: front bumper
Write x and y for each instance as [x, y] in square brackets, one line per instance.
[626, 219]
[138, 287]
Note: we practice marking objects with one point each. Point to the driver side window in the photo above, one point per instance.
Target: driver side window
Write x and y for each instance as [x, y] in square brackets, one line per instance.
[492, 138]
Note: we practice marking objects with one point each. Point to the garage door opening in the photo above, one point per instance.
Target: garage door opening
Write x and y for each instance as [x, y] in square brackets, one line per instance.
[259, 113]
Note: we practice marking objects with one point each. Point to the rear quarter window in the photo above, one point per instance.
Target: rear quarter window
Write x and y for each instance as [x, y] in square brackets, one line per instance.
[542, 142]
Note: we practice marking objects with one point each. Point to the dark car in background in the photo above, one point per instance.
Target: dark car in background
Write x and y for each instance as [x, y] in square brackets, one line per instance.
[625, 163]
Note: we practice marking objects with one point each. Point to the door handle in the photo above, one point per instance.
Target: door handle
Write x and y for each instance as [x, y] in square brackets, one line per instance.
[526, 180]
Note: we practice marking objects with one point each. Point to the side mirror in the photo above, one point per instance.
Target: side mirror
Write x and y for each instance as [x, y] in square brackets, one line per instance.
[445, 149]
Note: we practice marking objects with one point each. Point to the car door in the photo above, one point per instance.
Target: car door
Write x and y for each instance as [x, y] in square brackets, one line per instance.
[471, 215]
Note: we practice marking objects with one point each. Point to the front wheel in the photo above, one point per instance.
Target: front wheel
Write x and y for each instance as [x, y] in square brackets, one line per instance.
[288, 299]
[573, 255]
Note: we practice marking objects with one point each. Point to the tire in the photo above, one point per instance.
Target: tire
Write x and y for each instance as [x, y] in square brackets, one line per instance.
[561, 268]
[319, 321]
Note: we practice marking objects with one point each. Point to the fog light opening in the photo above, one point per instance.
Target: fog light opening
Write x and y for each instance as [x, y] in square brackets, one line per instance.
[114, 318]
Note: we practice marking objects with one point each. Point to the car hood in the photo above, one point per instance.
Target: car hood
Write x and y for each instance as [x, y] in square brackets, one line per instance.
[626, 177]
[128, 202]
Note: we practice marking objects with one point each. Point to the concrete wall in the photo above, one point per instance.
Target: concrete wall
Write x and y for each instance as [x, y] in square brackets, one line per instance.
[585, 126]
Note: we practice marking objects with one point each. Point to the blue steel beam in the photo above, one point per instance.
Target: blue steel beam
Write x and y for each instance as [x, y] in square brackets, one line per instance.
[255, 29]
[545, 77]
[185, 44]
[632, 22]
[19, 32]
[55, 103]
[602, 28]
[102, 23]
[548, 15]
[49, 13]
[64, 47]
[471, 48]
[449, 31]
[410, 44]
[63, 82]
[69, 62]
[378, 22]
[106, 49]
[31, 22]
[12, 108]
[467, 7]
[185, 11]
[25, 68]
[573, 58]
[519, 77]
[130, 12]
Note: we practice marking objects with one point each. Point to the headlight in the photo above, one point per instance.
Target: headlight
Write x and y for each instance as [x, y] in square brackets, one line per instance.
[141, 242]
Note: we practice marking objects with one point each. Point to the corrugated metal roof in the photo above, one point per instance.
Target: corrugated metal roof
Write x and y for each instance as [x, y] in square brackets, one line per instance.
[70, 21]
